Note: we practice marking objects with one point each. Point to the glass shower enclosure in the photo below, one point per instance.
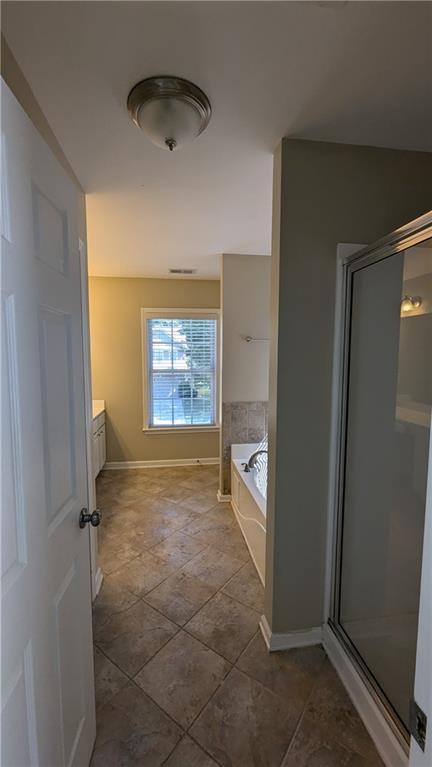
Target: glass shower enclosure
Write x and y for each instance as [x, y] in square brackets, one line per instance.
[383, 467]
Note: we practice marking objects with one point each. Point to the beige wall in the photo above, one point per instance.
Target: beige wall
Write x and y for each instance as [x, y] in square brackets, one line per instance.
[115, 333]
[245, 300]
[324, 194]
[246, 311]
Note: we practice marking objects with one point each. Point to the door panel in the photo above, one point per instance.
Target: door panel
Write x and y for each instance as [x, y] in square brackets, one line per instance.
[13, 552]
[58, 416]
[388, 412]
[48, 716]
[66, 603]
[50, 231]
[19, 706]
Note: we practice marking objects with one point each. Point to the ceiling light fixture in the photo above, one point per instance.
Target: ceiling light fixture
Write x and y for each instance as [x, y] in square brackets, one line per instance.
[170, 110]
[409, 303]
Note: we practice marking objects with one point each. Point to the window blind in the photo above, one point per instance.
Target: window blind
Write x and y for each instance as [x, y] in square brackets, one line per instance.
[182, 371]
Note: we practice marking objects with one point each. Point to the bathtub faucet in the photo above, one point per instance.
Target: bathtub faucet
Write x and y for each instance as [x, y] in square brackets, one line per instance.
[252, 460]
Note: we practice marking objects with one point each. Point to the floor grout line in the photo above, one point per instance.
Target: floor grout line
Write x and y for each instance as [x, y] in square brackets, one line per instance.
[219, 590]
[148, 659]
[132, 680]
[203, 748]
[233, 666]
[143, 598]
[221, 683]
[181, 730]
[179, 627]
[298, 725]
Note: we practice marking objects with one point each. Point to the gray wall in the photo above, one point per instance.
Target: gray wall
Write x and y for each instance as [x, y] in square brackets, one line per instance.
[324, 194]
[19, 86]
[245, 305]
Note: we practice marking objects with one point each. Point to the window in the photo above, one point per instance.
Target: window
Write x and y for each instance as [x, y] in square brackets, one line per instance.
[180, 369]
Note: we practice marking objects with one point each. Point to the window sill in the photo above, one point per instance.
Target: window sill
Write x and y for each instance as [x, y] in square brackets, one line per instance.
[179, 429]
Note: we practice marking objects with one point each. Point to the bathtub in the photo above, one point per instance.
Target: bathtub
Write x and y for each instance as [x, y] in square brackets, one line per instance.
[249, 505]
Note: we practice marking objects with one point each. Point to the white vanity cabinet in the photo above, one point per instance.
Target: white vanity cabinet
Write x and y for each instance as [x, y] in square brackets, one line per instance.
[99, 442]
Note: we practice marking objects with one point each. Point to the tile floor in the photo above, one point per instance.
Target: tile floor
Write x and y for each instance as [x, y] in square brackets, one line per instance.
[183, 678]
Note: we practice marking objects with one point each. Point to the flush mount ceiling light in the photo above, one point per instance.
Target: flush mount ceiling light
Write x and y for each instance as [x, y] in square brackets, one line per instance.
[170, 110]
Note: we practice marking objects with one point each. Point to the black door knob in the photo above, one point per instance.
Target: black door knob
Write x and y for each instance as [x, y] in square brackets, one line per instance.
[94, 518]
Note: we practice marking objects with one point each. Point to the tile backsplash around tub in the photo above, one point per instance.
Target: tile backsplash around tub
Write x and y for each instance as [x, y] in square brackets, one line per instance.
[242, 422]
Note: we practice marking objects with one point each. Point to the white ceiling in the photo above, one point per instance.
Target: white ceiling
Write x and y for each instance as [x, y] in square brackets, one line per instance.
[349, 72]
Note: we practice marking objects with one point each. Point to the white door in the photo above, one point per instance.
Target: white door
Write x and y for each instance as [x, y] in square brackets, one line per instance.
[48, 716]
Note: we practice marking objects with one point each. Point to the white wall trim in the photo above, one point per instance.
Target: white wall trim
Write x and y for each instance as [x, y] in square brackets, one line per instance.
[179, 429]
[224, 497]
[196, 313]
[265, 631]
[91, 487]
[343, 252]
[386, 742]
[388, 746]
[289, 641]
[110, 465]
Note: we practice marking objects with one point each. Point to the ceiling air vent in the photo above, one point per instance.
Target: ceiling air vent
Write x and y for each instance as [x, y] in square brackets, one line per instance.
[182, 271]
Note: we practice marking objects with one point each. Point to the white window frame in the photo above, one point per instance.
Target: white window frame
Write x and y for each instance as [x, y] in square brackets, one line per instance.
[192, 314]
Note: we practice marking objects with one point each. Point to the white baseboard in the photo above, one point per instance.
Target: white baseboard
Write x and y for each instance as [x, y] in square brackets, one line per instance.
[98, 582]
[161, 464]
[289, 641]
[265, 631]
[388, 745]
[223, 498]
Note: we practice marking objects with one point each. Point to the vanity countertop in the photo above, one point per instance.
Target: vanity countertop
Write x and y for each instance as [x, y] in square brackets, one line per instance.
[98, 407]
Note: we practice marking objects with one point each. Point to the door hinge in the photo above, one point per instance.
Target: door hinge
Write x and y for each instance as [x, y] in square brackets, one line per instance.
[418, 724]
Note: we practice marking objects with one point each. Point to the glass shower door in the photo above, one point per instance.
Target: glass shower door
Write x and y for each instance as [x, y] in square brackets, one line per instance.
[385, 462]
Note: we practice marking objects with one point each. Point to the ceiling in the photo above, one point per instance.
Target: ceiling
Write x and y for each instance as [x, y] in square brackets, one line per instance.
[348, 72]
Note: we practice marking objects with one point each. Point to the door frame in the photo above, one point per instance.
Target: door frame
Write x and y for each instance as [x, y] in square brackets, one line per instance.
[423, 672]
[95, 569]
[392, 746]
